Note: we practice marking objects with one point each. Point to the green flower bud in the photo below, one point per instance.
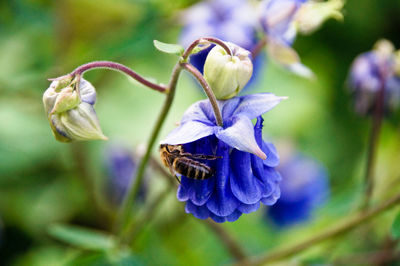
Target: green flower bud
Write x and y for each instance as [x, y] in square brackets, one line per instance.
[226, 74]
[70, 110]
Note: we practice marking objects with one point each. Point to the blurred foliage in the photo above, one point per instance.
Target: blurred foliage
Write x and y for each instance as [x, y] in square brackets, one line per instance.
[43, 182]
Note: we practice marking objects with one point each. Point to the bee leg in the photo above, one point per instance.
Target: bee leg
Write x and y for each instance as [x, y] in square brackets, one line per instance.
[173, 173]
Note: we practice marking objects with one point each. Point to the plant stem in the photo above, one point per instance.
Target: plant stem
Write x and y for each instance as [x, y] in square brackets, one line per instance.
[193, 45]
[117, 67]
[123, 218]
[372, 147]
[258, 47]
[192, 70]
[335, 231]
[231, 245]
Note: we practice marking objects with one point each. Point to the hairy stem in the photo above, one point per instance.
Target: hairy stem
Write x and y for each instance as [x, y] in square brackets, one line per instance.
[117, 67]
[123, 218]
[372, 147]
[192, 70]
[330, 233]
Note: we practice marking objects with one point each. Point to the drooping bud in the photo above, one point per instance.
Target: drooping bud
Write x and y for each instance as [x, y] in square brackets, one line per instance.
[226, 74]
[70, 110]
[313, 14]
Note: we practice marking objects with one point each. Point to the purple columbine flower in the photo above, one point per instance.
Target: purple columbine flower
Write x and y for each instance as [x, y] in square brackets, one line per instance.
[245, 175]
[229, 20]
[304, 187]
[121, 167]
[371, 72]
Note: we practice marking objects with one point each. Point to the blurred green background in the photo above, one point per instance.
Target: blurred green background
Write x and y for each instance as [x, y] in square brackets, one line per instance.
[43, 182]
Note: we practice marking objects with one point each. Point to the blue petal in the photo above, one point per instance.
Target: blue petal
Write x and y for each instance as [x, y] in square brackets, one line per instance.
[256, 163]
[199, 191]
[254, 105]
[272, 155]
[188, 132]
[217, 219]
[234, 216]
[200, 111]
[270, 180]
[222, 202]
[245, 186]
[271, 200]
[240, 136]
[200, 212]
[248, 208]
[183, 192]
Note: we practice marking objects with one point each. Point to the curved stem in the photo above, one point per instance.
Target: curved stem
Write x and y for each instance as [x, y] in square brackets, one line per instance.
[373, 143]
[335, 231]
[193, 45]
[117, 67]
[123, 219]
[192, 70]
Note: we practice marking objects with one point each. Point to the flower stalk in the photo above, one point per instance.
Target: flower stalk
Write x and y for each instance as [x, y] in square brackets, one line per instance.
[210, 94]
[123, 219]
[120, 68]
[373, 143]
[330, 233]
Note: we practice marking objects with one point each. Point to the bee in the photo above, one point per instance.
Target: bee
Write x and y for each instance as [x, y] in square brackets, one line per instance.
[184, 163]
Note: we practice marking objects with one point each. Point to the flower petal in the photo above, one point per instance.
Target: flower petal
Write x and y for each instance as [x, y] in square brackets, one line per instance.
[248, 208]
[240, 136]
[254, 105]
[200, 212]
[272, 155]
[245, 186]
[188, 132]
[222, 202]
[271, 200]
[200, 111]
[234, 216]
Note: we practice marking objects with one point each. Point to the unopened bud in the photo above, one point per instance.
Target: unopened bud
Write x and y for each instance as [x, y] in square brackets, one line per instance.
[70, 110]
[226, 74]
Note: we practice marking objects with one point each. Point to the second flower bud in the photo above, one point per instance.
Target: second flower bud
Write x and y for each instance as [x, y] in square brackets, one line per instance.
[226, 74]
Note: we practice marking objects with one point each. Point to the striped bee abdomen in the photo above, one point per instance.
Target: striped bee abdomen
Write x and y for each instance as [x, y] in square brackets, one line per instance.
[192, 169]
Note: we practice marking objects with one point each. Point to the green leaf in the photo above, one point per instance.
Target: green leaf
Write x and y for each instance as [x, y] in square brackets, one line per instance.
[169, 48]
[396, 227]
[81, 237]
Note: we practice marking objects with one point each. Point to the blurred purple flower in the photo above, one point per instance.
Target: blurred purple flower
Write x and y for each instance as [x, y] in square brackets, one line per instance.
[371, 72]
[229, 20]
[242, 178]
[121, 167]
[277, 17]
[304, 187]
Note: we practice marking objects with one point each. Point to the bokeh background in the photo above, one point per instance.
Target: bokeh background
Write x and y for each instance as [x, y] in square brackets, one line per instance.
[43, 182]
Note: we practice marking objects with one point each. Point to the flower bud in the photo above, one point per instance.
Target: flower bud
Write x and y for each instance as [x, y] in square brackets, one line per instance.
[226, 74]
[312, 14]
[70, 110]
